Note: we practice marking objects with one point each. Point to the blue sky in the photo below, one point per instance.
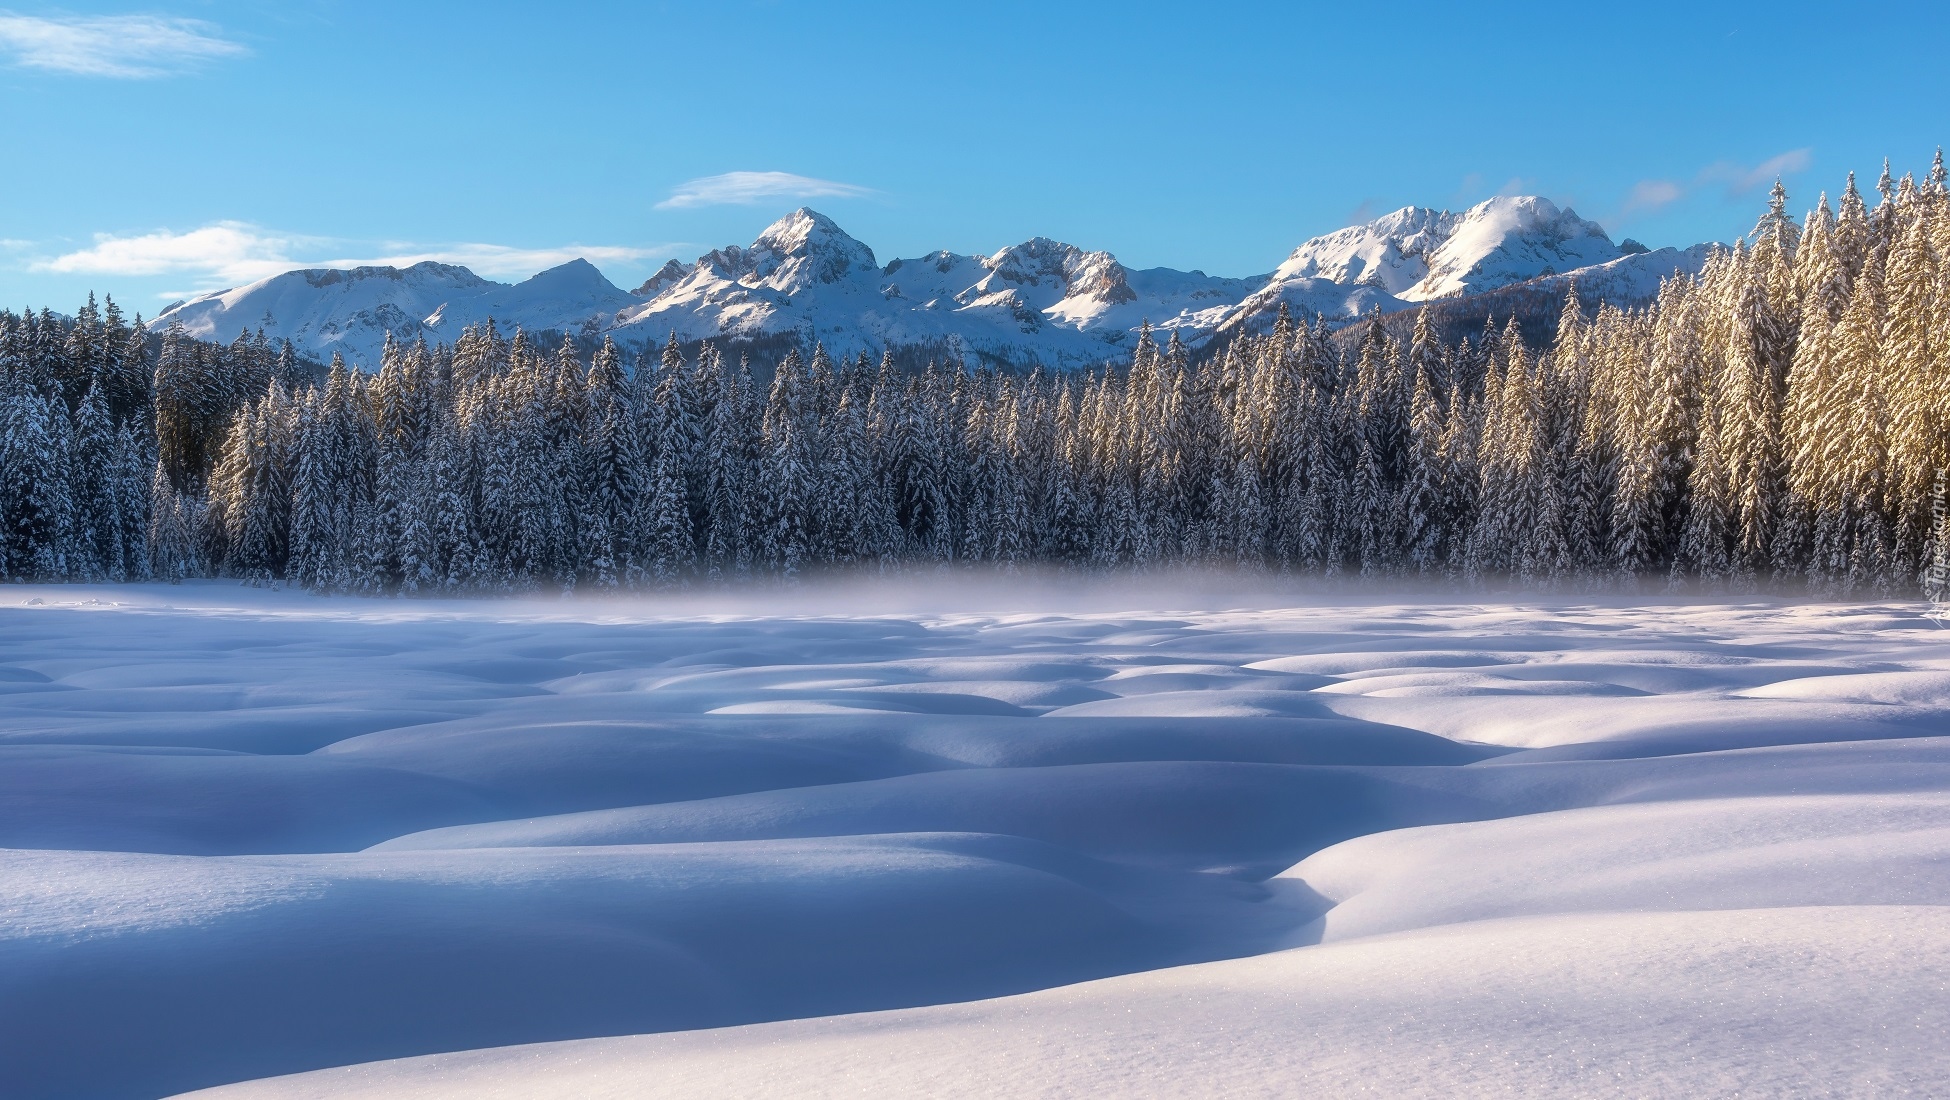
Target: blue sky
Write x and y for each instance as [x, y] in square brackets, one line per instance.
[156, 150]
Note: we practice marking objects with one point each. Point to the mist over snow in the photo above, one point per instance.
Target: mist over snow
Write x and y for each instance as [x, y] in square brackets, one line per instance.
[1012, 836]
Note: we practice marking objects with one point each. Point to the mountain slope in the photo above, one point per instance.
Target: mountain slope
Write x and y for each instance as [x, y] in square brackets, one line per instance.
[1631, 280]
[1041, 301]
[1635, 277]
[1418, 254]
[1509, 240]
[324, 310]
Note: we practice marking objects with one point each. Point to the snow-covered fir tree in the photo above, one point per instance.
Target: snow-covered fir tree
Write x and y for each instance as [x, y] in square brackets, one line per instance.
[1780, 418]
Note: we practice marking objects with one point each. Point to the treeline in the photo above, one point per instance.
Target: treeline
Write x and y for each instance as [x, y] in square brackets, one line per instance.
[93, 410]
[1783, 418]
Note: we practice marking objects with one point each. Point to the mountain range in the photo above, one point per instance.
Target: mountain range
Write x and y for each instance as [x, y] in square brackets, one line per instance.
[1038, 301]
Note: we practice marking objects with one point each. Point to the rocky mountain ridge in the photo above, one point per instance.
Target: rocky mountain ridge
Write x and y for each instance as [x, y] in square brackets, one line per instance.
[1039, 301]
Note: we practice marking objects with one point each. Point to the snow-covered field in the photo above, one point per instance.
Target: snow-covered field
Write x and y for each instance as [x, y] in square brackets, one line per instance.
[1001, 841]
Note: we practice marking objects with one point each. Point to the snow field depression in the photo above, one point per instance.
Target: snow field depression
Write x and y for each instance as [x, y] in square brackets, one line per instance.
[978, 840]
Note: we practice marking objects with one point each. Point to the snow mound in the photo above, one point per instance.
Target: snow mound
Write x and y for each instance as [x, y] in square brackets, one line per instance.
[1769, 1002]
[967, 841]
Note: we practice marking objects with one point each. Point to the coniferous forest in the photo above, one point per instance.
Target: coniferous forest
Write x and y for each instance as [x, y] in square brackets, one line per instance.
[1781, 419]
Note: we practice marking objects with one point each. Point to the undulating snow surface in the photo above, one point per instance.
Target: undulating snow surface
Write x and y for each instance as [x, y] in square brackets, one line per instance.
[1011, 840]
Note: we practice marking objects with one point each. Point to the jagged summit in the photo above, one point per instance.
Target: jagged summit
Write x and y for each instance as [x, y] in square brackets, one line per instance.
[425, 272]
[667, 276]
[1508, 240]
[1417, 253]
[1392, 250]
[1042, 300]
[806, 248]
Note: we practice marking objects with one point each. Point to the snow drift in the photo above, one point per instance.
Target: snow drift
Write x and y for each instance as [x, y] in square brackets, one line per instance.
[809, 845]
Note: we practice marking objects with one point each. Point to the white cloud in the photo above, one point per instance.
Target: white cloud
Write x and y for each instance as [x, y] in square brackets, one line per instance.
[235, 252]
[123, 46]
[232, 253]
[746, 188]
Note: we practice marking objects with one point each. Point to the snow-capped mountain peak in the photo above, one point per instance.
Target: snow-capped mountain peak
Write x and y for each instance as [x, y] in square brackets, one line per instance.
[323, 310]
[1038, 301]
[743, 289]
[570, 297]
[1509, 239]
[1390, 253]
[803, 249]
[666, 277]
[1417, 253]
[1040, 262]
[426, 273]
[353, 311]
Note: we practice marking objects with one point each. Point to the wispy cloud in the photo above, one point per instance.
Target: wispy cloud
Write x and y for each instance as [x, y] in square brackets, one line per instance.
[1734, 179]
[746, 188]
[1468, 190]
[127, 47]
[1743, 179]
[1650, 195]
[231, 253]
